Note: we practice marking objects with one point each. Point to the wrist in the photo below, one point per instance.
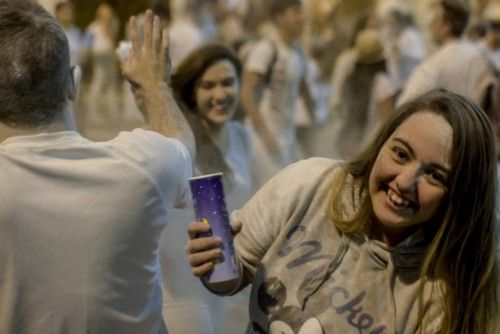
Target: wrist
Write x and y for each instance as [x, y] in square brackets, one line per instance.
[152, 86]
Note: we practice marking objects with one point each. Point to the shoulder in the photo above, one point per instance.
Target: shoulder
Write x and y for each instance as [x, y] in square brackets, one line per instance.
[140, 136]
[260, 54]
[309, 173]
[166, 161]
[150, 148]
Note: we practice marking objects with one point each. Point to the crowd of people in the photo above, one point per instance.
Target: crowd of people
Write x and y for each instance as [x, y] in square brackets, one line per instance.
[392, 226]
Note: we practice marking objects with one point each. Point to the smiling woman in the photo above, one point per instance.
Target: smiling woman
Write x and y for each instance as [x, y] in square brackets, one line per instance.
[408, 180]
[398, 240]
[431, 170]
[207, 86]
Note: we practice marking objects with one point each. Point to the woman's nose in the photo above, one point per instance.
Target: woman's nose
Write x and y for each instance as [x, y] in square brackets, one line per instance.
[407, 179]
[219, 93]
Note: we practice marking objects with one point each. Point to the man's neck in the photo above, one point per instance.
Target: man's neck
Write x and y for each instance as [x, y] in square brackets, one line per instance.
[63, 123]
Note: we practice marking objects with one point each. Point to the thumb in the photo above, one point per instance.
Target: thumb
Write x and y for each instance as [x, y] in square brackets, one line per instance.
[236, 226]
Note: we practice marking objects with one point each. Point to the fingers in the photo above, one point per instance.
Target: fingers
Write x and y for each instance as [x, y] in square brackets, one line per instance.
[157, 35]
[202, 262]
[195, 229]
[199, 259]
[134, 39]
[202, 244]
[202, 270]
[165, 46]
[202, 252]
[148, 30]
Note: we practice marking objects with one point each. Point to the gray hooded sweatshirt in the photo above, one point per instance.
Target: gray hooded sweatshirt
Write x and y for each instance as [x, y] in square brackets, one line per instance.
[309, 278]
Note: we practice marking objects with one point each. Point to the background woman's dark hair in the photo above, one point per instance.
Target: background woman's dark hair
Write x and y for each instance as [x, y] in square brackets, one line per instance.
[462, 248]
[357, 90]
[209, 158]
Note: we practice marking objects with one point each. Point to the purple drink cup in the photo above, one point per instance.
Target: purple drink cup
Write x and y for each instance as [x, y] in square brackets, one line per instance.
[210, 208]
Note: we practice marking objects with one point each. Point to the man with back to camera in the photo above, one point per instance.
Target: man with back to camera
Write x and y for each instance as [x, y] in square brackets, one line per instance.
[80, 220]
[457, 65]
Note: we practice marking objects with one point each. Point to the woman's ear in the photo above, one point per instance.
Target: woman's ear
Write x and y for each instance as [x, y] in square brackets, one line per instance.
[75, 76]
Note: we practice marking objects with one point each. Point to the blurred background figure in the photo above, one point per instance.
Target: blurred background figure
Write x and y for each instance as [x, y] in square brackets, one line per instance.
[207, 87]
[232, 15]
[327, 137]
[403, 41]
[274, 78]
[491, 38]
[457, 65]
[193, 25]
[64, 13]
[363, 92]
[103, 102]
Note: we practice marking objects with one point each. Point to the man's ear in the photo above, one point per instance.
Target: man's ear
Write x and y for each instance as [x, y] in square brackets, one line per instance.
[75, 75]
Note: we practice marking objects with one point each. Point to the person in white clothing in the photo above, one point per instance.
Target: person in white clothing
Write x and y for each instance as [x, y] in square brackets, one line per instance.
[458, 65]
[103, 100]
[206, 85]
[404, 42]
[276, 68]
[80, 221]
[65, 16]
[191, 27]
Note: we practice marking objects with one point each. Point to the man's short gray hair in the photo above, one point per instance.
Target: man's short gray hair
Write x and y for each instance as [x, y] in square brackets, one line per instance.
[34, 65]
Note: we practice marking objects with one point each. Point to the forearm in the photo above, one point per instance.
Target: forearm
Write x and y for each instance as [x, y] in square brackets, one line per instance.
[308, 101]
[162, 114]
[250, 104]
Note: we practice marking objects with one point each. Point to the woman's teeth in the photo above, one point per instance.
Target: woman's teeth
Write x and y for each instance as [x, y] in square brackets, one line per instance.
[396, 199]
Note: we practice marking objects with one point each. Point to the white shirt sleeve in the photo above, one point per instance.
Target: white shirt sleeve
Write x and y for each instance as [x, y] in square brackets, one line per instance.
[165, 160]
[260, 57]
[421, 81]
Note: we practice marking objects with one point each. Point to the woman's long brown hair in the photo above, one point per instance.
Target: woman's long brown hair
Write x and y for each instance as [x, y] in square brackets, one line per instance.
[462, 246]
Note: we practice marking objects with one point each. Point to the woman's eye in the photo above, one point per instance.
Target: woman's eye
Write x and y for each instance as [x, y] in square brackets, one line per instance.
[399, 153]
[206, 85]
[436, 176]
[228, 82]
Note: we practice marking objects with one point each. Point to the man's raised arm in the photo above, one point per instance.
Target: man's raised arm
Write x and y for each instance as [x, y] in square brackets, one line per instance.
[147, 68]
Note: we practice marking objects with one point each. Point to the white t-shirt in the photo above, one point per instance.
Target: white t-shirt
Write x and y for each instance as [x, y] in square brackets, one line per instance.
[278, 102]
[457, 66]
[188, 307]
[80, 224]
[277, 105]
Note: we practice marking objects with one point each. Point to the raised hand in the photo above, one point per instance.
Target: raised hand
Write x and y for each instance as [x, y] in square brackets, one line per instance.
[149, 60]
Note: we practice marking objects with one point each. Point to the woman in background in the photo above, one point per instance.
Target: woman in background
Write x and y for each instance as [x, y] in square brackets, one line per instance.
[207, 87]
